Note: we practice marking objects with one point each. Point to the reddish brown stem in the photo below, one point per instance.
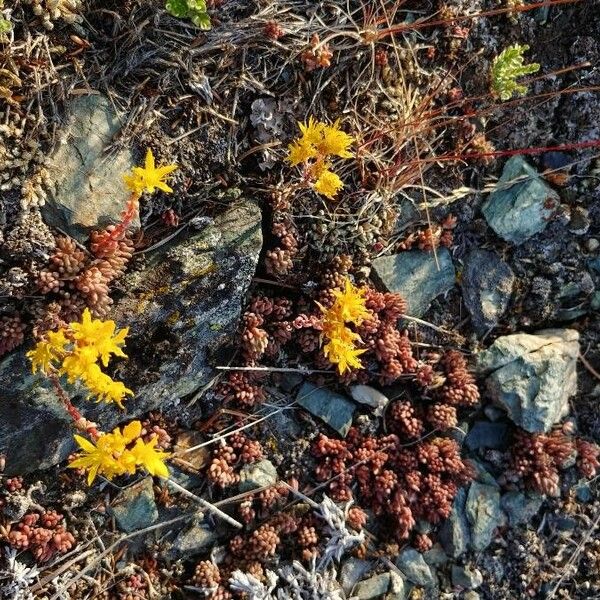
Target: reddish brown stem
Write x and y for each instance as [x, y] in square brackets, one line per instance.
[71, 409]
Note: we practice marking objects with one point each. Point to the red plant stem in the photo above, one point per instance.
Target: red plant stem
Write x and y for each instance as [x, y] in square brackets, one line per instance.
[490, 13]
[534, 150]
[71, 409]
[127, 217]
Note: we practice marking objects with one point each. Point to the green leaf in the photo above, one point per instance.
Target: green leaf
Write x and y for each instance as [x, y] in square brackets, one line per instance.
[201, 20]
[178, 8]
[5, 25]
[506, 68]
[194, 10]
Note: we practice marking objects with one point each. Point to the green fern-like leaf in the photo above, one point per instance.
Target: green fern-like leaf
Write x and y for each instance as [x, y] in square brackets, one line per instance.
[506, 68]
[194, 10]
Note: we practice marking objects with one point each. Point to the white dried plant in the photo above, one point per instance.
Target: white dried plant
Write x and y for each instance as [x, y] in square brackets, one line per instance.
[16, 578]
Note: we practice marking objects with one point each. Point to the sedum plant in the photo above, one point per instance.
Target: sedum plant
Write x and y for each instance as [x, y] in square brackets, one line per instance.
[194, 10]
[348, 308]
[121, 452]
[314, 149]
[75, 351]
[79, 350]
[506, 68]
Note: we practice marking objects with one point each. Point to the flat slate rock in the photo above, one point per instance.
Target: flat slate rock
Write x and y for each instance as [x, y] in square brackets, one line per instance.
[483, 513]
[182, 306]
[522, 203]
[532, 376]
[488, 435]
[487, 284]
[86, 189]
[334, 409]
[455, 535]
[415, 275]
[134, 508]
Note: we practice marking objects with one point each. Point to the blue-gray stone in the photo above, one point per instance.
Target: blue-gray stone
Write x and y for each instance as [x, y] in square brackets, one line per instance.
[594, 264]
[454, 533]
[595, 301]
[483, 513]
[373, 588]
[532, 376]
[436, 557]
[197, 538]
[487, 435]
[134, 508]
[336, 410]
[416, 276]
[522, 203]
[521, 507]
[415, 569]
[257, 475]
[467, 578]
[352, 571]
[86, 190]
[487, 284]
[583, 492]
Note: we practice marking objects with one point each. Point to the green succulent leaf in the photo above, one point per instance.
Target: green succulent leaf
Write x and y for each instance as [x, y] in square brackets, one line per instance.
[194, 10]
[5, 25]
[506, 68]
[178, 8]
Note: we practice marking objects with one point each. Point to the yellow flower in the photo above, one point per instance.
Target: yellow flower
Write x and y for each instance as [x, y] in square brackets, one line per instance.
[334, 327]
[328, 184]
[149, 177]
[300, 151]
[335, 141]
[350, 303]
[102, 459]
[47, 351]
[342, 354]
[147, 456]
[103, 388]
[312, 132]
[76, 364]
[100, 336]
[113, 454]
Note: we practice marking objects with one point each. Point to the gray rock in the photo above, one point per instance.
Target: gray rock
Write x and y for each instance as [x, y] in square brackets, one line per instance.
[522, 203]
[436, 557]
[352, 571]
[134, 507]
[262, 473]
[487, 435]
[336, 410]
[466, 578]
[521, 507]
[415, 569]
[454, 535]
[487, 284]
[86, 190]
[181, 307]
[373, 588]
[415, 275]
[471, 595]
[398, 589]
[583, 492]
[532, 376]
[191, 541]
[483, 513]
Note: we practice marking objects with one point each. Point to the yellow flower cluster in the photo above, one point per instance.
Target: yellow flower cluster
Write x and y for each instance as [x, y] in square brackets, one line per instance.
[75, 351]
[348, 308]
[314, 149]
[118, 453]
[149, 177]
